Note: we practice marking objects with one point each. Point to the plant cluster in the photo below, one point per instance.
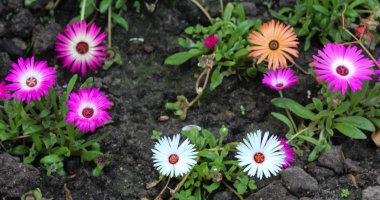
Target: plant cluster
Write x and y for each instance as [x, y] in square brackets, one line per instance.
[46, 126]
[322, 19]
[204, 163]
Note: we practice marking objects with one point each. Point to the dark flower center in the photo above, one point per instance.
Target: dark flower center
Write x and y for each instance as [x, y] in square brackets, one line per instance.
[31, 82]
[274, 45]
[173, 159]
[82, 47]
[259, 157]
[342, 70]
[88, 112]
[279, 85]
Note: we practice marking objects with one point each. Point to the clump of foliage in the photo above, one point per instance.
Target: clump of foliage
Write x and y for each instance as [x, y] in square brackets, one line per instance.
[345, 193]
[228, 56]
[322, 18]
[40, 134]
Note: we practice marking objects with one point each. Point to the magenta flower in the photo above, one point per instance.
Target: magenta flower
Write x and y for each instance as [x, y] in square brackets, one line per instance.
[4, 91]
[342, 66]
[80, 47]
[87, 109]
[30, 79]
[280, 79]
[289, 155]
[211, 41]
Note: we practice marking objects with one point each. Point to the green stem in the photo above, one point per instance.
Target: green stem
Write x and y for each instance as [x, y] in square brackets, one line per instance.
[109, 27]
[288, 113]
[233, 190]
[203, 10]
[83, 10]
[296, 135]
[163, 190]
[221, 8]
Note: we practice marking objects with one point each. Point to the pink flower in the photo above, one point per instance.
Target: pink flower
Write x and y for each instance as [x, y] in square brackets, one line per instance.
[360, 30]
[87, 109]
[4, 91]
[289, 155]
[280, 79]
[342, 66]
[378, 71]
[80, 47]
[211, 41]
[30, 79]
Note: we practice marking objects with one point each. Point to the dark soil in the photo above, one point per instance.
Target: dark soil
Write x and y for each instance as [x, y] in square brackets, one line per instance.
[143, 84]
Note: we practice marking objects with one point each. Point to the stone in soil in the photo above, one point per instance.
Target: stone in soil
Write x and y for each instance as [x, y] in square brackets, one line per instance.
[23, 23]
[371, 193]
[273, 191]
[223, 195]
[14, 4]
[298, 182]
[45, 37]
[352, 166]
[16, 177]
[320, 173]
[5, 64]
[332, 159]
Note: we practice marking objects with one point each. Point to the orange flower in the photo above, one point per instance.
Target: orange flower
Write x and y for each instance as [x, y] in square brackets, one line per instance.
[276, 42]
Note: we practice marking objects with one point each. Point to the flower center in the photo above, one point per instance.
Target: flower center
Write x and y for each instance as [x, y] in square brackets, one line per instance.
[342, 70]
[279, 85]
[31, 82]
[82, 47]
[274, 45]
[173, 159]
[88, 112]
[259, 157]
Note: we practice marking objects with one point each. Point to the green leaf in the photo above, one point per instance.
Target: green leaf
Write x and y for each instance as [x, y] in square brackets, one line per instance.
[71, 84]
[120, 20]
[61, 151]
[228, 12]
[90, 155]
[20, 150]
[120, 4]
[284, 119]
[349, 130]
[37, 141]
[343, 107]
[32, 129]
[88, 82]
[52, 158]
[207, 154]
[321, 9]
[104, 4]
[357, 121]
[212, 187]
[44, 113]
[252, 185]
[209, 138]
[182, 57]
[318, 104]
[293, 106]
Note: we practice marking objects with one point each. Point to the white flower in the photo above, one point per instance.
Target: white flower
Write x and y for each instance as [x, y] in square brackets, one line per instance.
[261, 155]
[172, 159]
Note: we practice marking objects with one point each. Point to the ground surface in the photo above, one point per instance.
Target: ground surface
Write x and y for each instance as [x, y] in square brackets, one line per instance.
[140, 88]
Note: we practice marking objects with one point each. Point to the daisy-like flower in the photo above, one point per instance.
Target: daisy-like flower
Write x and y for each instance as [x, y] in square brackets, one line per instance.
[172, 159]
[342, 66]
[276, 42]
[80, 47]
[280, 79]
[87, 109]
[289, 155]
[4, 91]
[30, 79]
[261, 155]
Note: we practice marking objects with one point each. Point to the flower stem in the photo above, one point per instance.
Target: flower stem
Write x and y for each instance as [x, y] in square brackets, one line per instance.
[109, 26]
[200, 90]
[83, 10]
[296, 135]
[163, 189]
[233, 190]
[178, 187]
[299, 67]
[203, 10]
[221, 8]
[288, 113]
